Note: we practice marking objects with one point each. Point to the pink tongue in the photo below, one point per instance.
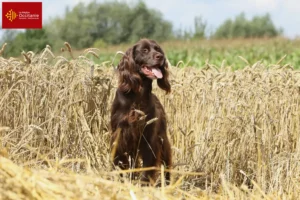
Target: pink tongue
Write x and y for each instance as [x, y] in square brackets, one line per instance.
[157, 72]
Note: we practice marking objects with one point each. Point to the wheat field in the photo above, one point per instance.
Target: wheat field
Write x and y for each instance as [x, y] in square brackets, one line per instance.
[235, 134]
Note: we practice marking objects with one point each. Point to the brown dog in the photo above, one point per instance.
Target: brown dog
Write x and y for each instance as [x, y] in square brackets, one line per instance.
[134, 139]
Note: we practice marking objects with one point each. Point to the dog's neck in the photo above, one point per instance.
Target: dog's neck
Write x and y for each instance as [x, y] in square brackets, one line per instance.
[146, 86]
[145, 90]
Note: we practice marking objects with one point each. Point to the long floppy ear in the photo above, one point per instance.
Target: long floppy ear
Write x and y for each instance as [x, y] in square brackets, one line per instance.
[129, 79]
[164, 82]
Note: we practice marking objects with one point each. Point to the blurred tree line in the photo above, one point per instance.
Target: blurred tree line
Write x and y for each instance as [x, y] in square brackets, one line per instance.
[240, 27]
[101, 24]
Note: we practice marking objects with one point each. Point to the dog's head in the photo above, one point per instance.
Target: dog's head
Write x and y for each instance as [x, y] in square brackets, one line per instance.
[145, 59]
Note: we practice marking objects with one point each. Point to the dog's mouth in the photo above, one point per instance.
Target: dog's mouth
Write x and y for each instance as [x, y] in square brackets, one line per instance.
[152, 72]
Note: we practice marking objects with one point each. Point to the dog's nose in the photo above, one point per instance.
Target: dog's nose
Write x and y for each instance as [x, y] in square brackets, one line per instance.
[158, 56]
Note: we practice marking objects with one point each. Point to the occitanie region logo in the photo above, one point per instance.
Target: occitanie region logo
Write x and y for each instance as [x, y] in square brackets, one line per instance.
[22, 15]
[11, 15]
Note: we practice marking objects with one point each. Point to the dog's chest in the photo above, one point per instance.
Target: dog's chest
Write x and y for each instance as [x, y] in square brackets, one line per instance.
[143, 106]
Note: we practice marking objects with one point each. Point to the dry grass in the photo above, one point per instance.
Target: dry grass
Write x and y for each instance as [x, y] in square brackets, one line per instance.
[235, 134]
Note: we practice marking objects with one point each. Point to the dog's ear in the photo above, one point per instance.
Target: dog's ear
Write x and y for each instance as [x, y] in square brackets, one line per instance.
[164, 82]
[129, 79]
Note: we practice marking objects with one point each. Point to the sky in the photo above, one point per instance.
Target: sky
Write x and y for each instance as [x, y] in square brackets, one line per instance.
[284, 13]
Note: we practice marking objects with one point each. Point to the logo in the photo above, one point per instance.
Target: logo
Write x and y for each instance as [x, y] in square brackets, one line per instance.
[11, 15]
[21, 15]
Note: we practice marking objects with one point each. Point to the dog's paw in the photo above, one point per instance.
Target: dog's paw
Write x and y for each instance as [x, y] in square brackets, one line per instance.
[136, 115]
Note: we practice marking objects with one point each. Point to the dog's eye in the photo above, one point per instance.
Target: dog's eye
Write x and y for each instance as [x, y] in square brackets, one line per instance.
[145, 50]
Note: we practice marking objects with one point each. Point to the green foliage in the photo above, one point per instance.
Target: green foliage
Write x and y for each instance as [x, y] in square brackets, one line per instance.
[266, 51]
[13, 42]
[199, 32]
[93, 24]
[196, 52]
[145, 22]
[30, 40]
[240, 27]
[35, 40]
[75, 26]
[112, 22]
[200, 27]
[100, 44]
